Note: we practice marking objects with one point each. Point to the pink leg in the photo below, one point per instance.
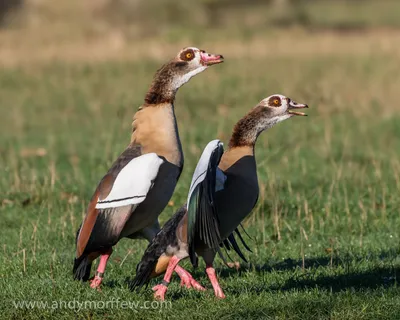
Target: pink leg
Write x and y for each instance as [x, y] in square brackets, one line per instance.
[214, 281]
[161, 288]
[98, 278]
[187, 279]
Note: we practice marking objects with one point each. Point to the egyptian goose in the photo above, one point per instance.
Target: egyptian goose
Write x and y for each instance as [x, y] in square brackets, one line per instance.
[224, 190]
[141, 181]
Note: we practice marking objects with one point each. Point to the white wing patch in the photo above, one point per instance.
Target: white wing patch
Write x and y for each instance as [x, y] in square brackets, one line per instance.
[133, 182]
[201, 169]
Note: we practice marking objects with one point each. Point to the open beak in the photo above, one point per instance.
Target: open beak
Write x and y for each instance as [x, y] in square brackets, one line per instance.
[209, 59]
[293, 105]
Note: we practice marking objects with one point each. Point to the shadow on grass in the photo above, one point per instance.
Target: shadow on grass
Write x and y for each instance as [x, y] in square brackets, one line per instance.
[379, 277]
[327, 261]
[373, 278]
[350, 278]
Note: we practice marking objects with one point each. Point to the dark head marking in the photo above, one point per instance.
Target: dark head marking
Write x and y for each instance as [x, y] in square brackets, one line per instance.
[187, 55]
[274, 101]
[181, 64]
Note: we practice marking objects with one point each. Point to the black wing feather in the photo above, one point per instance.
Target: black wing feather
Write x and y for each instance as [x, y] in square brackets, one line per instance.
[203, 220]
[235, 246]
[231, 243]
[242, 240]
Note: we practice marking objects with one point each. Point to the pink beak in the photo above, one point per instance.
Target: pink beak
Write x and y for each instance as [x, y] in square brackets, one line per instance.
[209, 59]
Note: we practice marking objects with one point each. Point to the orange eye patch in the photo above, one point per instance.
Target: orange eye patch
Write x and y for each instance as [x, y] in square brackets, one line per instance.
[187, 55]
[274, 101]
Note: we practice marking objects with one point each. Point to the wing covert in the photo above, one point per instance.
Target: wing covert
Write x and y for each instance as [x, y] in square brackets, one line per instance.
[133, 182]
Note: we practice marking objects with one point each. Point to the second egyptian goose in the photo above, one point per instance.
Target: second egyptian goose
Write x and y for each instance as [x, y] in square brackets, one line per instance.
[224, 190]
[141, 181]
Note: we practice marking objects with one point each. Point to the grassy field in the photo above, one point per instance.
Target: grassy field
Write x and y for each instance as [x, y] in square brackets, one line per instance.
[325, 229]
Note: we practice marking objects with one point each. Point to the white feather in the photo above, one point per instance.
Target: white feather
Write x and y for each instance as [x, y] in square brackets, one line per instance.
[201, 169]
[133, 182]
[180, 81]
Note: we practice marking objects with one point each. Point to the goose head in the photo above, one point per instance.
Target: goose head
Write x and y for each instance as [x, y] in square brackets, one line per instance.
[194, 58]
[277, 108]
[189, 62]
[264, 115]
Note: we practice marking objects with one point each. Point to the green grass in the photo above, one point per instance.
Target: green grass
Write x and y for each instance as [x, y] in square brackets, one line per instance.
[325, 229]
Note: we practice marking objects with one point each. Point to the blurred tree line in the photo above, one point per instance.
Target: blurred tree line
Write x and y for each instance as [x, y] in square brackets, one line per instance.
[154, 15]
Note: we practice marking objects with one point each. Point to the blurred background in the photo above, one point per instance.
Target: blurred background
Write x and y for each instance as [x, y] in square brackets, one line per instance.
[43, 30]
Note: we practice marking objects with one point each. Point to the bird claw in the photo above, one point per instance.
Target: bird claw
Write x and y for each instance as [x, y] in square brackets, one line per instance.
[189, 282]
[96, 282]
[160, 291]
[235, 265]
[219, 294]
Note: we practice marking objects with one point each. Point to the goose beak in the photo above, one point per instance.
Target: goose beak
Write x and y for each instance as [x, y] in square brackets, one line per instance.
[294, 105]
[209, 59]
